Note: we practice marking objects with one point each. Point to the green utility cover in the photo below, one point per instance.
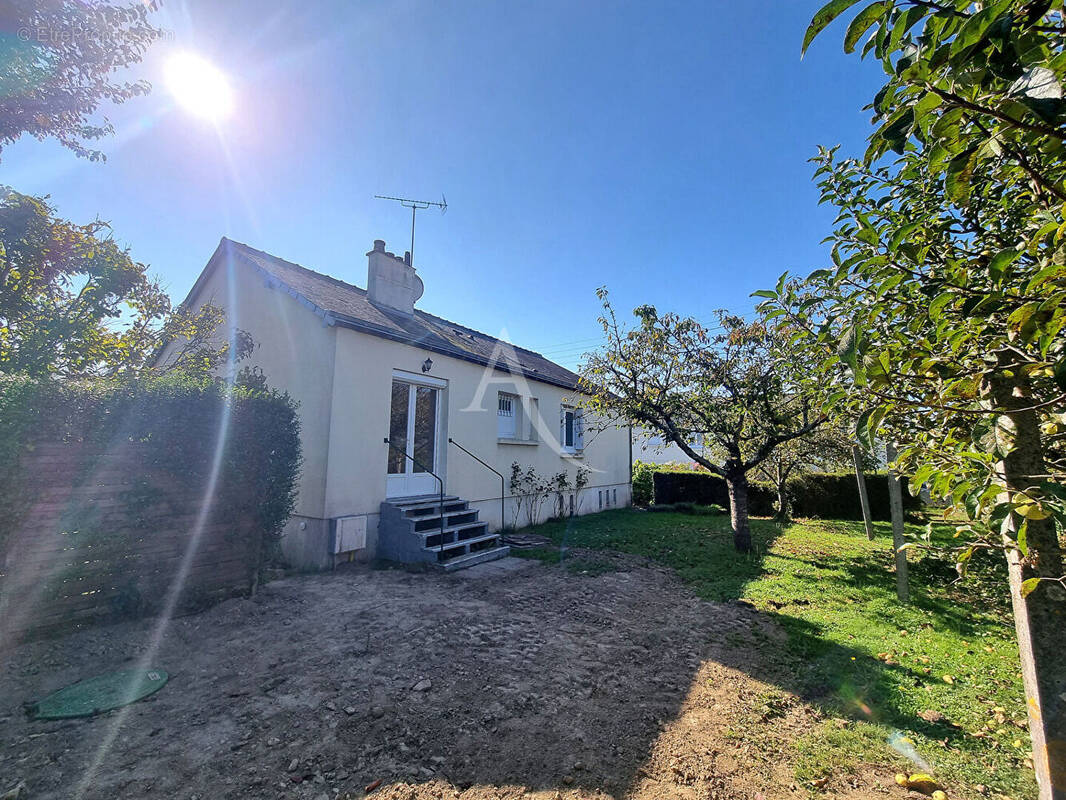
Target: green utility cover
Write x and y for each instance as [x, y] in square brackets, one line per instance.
[102, 693]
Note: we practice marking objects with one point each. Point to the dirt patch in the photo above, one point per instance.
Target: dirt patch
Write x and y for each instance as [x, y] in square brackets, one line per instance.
[513, 679]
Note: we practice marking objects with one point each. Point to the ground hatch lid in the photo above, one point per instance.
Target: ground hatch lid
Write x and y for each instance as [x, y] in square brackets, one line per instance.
[98, 694]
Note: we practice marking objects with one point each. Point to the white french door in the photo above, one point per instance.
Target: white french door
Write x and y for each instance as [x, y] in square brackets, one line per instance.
[414, 433]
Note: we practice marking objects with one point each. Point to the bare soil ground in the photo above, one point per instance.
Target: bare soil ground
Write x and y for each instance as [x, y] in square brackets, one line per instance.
[508, 680]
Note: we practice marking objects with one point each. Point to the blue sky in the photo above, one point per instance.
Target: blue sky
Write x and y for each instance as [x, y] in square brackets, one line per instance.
[659, 149]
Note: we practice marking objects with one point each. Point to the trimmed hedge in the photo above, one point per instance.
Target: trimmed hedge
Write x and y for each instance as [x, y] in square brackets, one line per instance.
[705, 489]
[829, 495]
[179, 422]
[818, 495]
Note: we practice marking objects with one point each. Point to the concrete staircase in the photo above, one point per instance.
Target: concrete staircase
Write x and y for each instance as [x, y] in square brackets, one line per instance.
[410, 532]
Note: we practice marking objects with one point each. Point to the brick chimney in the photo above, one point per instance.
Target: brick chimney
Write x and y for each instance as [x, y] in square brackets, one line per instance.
[391, 281]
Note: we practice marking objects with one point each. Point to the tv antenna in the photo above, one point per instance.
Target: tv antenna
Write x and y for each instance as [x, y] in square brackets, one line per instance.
[415, 205]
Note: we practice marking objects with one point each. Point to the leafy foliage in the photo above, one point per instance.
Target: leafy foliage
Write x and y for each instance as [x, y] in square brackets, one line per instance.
[826, 448]
[940, 320]
[57, 62]
[180, 420]
[73, 303]
[734, 387]
[643, 484]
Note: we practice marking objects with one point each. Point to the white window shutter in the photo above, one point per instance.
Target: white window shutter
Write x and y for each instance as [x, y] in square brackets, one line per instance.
[579, 430]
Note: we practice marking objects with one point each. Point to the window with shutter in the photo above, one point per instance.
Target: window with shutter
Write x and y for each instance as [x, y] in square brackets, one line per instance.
[571, 430]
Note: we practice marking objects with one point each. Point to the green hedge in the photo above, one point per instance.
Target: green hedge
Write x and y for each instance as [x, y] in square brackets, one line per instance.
[818, 495]
[180, 421]
[705, 489]
[829, 495]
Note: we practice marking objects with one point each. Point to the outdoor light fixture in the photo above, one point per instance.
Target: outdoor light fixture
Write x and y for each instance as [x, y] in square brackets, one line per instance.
[427, 365]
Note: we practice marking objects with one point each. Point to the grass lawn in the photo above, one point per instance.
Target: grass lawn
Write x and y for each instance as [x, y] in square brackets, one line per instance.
[853, 650]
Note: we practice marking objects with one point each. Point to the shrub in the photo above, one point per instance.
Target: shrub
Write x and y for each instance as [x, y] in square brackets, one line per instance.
[179, 420]
[643, 483]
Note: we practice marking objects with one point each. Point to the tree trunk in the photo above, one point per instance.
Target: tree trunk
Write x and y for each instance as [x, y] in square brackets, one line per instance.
[737, 485]
[864, 499]
[1039, 618]
[895, 502]
[782, 495]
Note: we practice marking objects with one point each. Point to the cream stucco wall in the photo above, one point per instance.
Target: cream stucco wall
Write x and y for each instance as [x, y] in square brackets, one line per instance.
[342, 379]
[295, 350]
[355, 482]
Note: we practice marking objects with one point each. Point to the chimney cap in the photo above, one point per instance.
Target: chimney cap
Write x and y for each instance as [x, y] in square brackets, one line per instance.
[379, 245]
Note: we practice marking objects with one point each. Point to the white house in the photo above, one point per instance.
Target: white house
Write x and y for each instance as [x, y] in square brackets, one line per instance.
[651, 447]
[392, 398]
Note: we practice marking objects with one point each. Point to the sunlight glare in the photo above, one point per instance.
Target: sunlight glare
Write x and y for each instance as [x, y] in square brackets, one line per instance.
[199, 86]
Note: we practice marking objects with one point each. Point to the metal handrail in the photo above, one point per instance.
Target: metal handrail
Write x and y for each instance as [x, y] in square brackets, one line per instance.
[503, 516]
[435, 475]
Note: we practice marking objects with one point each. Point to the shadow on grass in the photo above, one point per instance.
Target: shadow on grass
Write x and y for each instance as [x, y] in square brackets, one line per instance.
[841, 680]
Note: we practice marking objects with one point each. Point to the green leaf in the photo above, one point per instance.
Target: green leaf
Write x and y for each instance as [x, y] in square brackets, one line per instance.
[768, 293]
[862, 22]
[867, 234]
[937, 306]
[1001, 260]
[1059, 372]
[826, 14]
[976, 26]
[849, 348]
[900, 235]
[959, 174]
[1029, 585]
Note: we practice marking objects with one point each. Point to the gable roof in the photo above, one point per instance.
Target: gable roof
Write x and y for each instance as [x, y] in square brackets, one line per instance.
[348, 306]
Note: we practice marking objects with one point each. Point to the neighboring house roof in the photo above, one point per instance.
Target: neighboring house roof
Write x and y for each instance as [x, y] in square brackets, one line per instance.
[347, 306]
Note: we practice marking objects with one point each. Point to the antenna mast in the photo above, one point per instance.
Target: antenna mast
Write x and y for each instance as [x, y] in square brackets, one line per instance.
[415, 205]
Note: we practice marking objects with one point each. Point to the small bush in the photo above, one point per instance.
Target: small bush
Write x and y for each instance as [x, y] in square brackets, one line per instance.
[643, 483]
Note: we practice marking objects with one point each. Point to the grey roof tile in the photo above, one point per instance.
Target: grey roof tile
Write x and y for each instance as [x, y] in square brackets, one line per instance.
[349, 306]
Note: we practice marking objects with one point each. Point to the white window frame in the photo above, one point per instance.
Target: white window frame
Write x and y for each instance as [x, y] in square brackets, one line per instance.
[577, 429]
[505, 429]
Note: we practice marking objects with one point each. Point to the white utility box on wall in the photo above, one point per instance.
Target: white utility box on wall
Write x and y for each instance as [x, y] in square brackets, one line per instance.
[349, 534]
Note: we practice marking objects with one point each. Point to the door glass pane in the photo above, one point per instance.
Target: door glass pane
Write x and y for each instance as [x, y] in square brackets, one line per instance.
[398, 428]
[425, 428]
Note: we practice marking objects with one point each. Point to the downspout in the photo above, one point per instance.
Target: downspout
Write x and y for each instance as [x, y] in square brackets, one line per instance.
[630, 465]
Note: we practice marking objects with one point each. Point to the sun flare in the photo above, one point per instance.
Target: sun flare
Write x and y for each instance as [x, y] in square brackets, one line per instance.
[199, 86]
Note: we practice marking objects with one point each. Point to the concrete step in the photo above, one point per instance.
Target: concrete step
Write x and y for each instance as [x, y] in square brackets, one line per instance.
[418, 498]
[454, 536]
[431, 507]
[428, 522]
[461, 544]
[470, 559]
